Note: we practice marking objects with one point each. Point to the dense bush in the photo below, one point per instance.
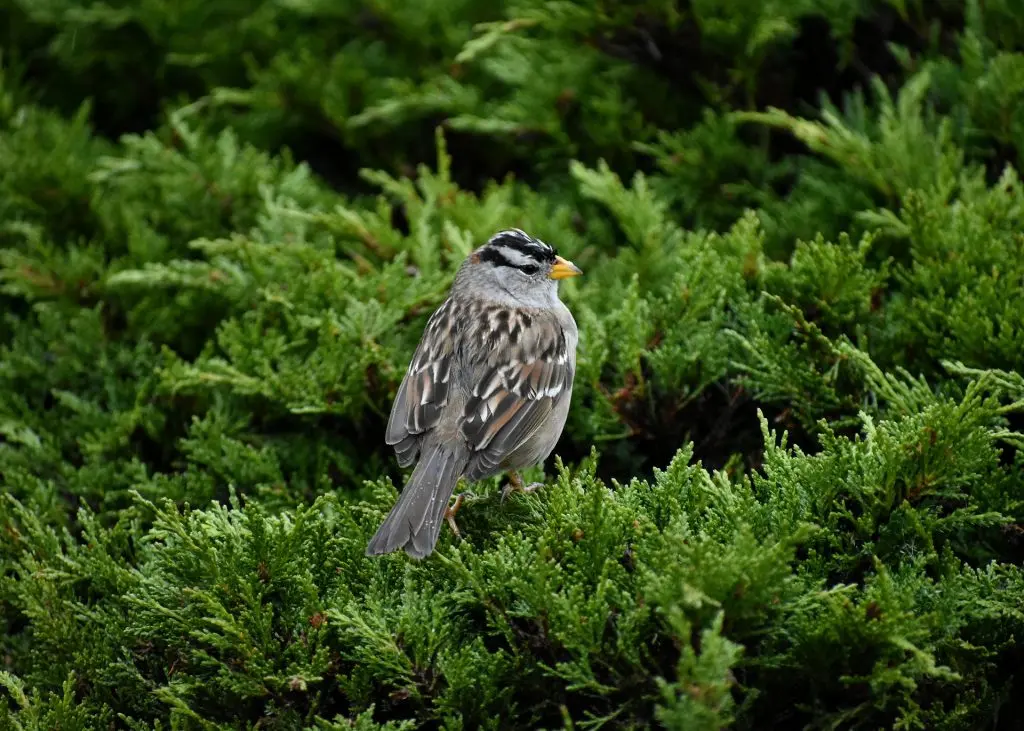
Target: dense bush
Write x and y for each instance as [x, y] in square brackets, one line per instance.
[790, 493]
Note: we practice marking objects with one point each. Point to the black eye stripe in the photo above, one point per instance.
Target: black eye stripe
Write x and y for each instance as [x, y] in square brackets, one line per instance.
[518, 254]
[493, 255]
[515, 240]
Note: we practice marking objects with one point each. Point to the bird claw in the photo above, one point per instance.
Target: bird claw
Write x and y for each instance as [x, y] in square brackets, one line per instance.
[515, 484]
[449, 514]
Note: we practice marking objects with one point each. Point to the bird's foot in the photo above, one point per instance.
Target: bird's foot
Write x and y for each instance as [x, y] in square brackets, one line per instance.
[449, 514]
[515, 484]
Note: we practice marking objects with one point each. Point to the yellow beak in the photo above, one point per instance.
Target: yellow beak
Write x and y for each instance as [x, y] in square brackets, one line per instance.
[563, 269]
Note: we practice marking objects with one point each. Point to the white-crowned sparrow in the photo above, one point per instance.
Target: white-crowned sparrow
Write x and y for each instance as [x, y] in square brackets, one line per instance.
[488, 387]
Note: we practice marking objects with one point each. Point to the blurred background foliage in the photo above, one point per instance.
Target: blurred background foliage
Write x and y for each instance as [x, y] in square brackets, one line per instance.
[789, 494]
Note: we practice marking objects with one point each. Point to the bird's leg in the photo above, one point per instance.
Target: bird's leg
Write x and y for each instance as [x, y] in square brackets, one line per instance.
[449, 514]
[515, 484]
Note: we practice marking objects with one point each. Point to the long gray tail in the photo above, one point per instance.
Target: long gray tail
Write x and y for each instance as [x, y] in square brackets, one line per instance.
[415, 522]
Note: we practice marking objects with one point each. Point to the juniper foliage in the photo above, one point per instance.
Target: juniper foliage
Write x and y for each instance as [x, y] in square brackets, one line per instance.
[790, 493]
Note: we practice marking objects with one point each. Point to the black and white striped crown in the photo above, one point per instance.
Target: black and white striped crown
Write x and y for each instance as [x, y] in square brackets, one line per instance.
[517, 249]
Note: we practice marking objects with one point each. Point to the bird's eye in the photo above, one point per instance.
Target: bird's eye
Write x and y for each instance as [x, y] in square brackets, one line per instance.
[529, 269]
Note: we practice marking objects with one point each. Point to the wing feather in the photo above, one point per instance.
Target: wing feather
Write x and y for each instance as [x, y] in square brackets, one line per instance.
[426, 387]
[516, 380]
[514, 395]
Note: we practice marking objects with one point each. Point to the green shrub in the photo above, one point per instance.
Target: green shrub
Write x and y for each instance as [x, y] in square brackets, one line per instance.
[790, 492]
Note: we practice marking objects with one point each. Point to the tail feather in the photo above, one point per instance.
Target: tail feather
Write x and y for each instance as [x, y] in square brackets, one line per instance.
[414, 523]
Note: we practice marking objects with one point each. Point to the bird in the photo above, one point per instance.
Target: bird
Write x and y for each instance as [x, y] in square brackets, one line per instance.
[488, 388]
